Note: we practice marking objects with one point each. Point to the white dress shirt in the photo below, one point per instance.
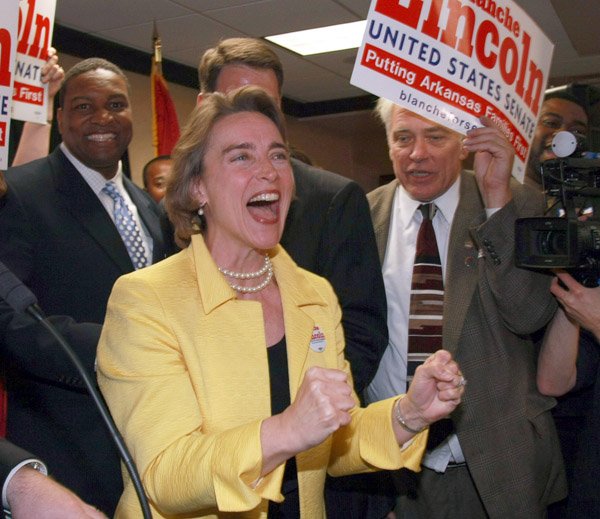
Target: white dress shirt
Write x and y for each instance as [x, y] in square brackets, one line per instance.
[96, 181]
[405, 221]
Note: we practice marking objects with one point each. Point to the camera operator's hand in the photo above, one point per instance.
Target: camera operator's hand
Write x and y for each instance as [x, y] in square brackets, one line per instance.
[580, 303]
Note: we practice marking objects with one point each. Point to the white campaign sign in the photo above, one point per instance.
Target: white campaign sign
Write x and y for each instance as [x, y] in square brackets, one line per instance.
[9, 16]
[453, 61]
[36, 23]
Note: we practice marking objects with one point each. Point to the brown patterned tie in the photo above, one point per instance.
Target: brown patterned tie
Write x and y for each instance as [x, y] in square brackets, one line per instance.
[426, 295]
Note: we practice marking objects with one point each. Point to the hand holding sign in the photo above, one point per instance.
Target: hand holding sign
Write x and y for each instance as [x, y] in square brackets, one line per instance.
[53, 75]
[492, 163]
[454, 62]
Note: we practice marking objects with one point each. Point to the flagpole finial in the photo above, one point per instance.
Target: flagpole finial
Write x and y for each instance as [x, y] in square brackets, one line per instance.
[155, 35]
[156, 43]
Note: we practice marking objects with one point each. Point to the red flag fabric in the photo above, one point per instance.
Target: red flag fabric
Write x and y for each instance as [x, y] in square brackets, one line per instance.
[165, 125]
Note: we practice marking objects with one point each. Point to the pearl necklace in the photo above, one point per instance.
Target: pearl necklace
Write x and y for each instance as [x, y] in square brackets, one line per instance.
[267, 269]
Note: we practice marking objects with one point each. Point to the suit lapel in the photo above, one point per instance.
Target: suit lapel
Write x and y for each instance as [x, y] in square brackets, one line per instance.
[299, 300]
[85, 207]
[298, 330]
[461, 271]
[380, 202]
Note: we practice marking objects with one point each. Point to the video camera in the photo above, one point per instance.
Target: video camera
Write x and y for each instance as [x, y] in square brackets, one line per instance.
[570, 240]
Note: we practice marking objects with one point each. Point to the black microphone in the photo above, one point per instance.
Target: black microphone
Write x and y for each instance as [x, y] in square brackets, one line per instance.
[21, 299]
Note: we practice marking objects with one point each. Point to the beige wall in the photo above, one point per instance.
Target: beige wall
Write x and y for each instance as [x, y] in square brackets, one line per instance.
[352, 145]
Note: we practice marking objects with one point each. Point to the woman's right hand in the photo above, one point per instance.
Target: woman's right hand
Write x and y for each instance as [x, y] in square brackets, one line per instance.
[321, 407]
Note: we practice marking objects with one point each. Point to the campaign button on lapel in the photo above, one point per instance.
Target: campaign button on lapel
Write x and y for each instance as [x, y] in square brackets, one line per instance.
[317, 340]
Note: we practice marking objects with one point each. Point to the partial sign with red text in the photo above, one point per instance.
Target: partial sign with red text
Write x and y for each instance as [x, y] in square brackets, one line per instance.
[9, 15]
[36, 23]
[453, 61]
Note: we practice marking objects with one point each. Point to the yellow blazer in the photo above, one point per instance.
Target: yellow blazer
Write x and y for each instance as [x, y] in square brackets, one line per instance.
[183, 366]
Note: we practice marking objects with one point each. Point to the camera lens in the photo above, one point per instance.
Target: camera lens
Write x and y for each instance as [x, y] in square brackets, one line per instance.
[552, 243]
[588, 236]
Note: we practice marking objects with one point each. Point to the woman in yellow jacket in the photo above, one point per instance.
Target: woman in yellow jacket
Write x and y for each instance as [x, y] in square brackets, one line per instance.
[223, 366]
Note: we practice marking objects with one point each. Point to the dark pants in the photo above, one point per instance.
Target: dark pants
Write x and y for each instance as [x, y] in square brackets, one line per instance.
[363, 496]
[431, 495]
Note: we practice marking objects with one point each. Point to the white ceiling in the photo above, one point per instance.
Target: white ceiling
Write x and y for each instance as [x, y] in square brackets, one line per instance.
[188, 27]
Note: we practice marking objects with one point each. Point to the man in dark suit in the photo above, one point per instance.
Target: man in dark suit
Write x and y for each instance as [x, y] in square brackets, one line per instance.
[500, 456]
[28, 492]
[328, 231]
[59, 233]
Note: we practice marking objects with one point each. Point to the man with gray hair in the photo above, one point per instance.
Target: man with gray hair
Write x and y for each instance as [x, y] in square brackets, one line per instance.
[498, 456]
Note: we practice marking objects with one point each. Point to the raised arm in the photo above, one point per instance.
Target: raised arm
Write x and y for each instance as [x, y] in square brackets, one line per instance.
[35, 138]
[492, 163]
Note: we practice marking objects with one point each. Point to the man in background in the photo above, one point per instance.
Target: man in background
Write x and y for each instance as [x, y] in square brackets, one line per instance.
[567, 108]
[564, 108]
[156, 174]
[569, 365]
[70, 225]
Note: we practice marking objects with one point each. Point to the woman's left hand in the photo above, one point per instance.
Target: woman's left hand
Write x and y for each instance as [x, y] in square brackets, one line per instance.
[435, 391]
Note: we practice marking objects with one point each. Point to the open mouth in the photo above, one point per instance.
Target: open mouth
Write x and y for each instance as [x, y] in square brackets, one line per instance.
[264, 207]
[419, 173]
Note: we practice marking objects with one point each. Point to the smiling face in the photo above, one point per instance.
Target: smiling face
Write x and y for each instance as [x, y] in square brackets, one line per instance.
[246, 186]
[556, 115]
[95, 120]
[427, 158]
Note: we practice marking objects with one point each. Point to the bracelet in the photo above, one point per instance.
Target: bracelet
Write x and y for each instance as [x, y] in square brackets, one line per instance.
[401, 421]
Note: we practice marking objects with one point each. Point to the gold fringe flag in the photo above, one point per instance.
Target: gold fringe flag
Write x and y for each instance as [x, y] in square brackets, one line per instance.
[165, 125]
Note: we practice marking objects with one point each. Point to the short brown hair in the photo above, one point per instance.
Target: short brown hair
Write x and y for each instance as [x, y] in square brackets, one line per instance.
[251, 52]
[188, 155]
